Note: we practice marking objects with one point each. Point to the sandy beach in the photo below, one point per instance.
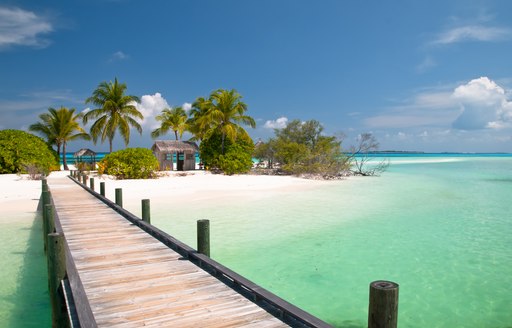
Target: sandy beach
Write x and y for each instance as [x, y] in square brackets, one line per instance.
[19, 193]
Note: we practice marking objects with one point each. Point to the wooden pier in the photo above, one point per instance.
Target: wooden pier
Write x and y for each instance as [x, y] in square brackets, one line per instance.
[123, 272]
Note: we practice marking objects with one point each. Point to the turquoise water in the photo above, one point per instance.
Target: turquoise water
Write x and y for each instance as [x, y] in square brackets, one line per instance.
[24, 300]
[438, 225]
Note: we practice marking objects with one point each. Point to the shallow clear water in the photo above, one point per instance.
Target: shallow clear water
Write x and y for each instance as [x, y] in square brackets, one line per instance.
[24, 300]
[440, 227]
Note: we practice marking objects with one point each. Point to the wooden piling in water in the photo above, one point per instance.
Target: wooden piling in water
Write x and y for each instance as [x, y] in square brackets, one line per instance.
[146, 215]
[203, 237]
[102, 189]
[91, 183]
[45, 200]
[119, 196]
[56, 272]
[48, 223]
[383, 308]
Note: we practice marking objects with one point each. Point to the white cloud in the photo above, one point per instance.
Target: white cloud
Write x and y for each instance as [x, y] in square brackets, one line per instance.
[426, 64]
[19, 27]
[473, 33]
[118, 56]
[484, 105]
[150, 106]
[186, 107]
[280, 123]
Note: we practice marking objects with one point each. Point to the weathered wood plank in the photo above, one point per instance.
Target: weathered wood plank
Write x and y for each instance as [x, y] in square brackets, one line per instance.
[131, 280]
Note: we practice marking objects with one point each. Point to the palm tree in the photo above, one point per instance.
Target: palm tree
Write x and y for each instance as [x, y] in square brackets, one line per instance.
[171, 119]
[197, 123]
[116, 111]
[225, 111]
[60, 126]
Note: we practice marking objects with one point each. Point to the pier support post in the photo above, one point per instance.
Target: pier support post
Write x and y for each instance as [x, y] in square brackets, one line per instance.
[48, 223]
[146, 216]
[91, 183]
[56, 272]
[45, 200]
[102, 189]
[85, 180]
[383, 308]
[119, 196]
[203, 237]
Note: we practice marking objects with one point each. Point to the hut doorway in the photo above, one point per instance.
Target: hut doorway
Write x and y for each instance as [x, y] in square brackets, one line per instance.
[180, 161]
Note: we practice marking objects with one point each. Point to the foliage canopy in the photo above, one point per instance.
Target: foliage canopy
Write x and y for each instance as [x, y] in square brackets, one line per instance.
[300, 148]
[60, 126]
[237, 156]
[129, 163]
[116, 112]
[20, 150]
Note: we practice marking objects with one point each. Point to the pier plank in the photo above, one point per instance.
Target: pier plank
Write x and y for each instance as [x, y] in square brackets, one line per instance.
[131, 279]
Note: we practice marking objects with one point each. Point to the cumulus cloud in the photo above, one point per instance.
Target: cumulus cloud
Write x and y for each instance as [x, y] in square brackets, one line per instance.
[426, 64]
[118, 56]
[473, 33]
[483, 104]
[150, 106]
[186, 107]
[280, 123]
[19, 27]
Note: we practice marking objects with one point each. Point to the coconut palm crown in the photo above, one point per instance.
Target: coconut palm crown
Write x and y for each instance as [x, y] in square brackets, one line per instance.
[222, 111]
[116, 112]
[60, 126]
[174, 119]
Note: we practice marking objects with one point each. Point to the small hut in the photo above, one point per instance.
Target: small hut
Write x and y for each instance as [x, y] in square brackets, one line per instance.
[85, 155]
[170, 151]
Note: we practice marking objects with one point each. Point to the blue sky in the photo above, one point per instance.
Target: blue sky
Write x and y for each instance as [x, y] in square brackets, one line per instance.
[419, 75]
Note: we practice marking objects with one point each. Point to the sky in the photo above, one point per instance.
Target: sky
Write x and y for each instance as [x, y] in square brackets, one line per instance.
[433, 76]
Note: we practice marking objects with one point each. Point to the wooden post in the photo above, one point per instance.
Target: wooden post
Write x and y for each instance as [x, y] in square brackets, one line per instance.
[119, 196]
[45, 200]
[146, 216]
[203, 237]
[56, 272]
[383, 308]
[48, 223]
[102, 189]
[85, 180]
[91, 183]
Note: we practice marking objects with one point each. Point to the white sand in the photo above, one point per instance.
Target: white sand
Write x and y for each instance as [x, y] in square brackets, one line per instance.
[203, 186]
[18, 193]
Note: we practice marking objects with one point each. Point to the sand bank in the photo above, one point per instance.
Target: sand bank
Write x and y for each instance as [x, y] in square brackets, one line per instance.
[193, 186]
[18, 193]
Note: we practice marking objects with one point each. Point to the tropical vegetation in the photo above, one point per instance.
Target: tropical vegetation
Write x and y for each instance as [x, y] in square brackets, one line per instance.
[22, 152]
[237, 156]
[60, 126]
[301, 149]
[174, 119]
[115, 112]
[129, 163]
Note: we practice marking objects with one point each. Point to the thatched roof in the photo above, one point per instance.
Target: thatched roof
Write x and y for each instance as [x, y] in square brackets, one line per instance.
[84, 152]
[169, 146]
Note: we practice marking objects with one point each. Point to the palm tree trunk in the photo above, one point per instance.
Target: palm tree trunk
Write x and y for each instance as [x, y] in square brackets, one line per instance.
[223, 137]
[176, 134]
[64, 156]
[110, 143]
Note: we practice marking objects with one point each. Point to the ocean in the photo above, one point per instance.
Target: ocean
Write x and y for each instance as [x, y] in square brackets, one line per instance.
[437, 224]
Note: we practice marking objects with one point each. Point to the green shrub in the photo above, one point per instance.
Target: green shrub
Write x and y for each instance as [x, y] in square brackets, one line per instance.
[237, 157]
[130, 163]
[21, 151]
